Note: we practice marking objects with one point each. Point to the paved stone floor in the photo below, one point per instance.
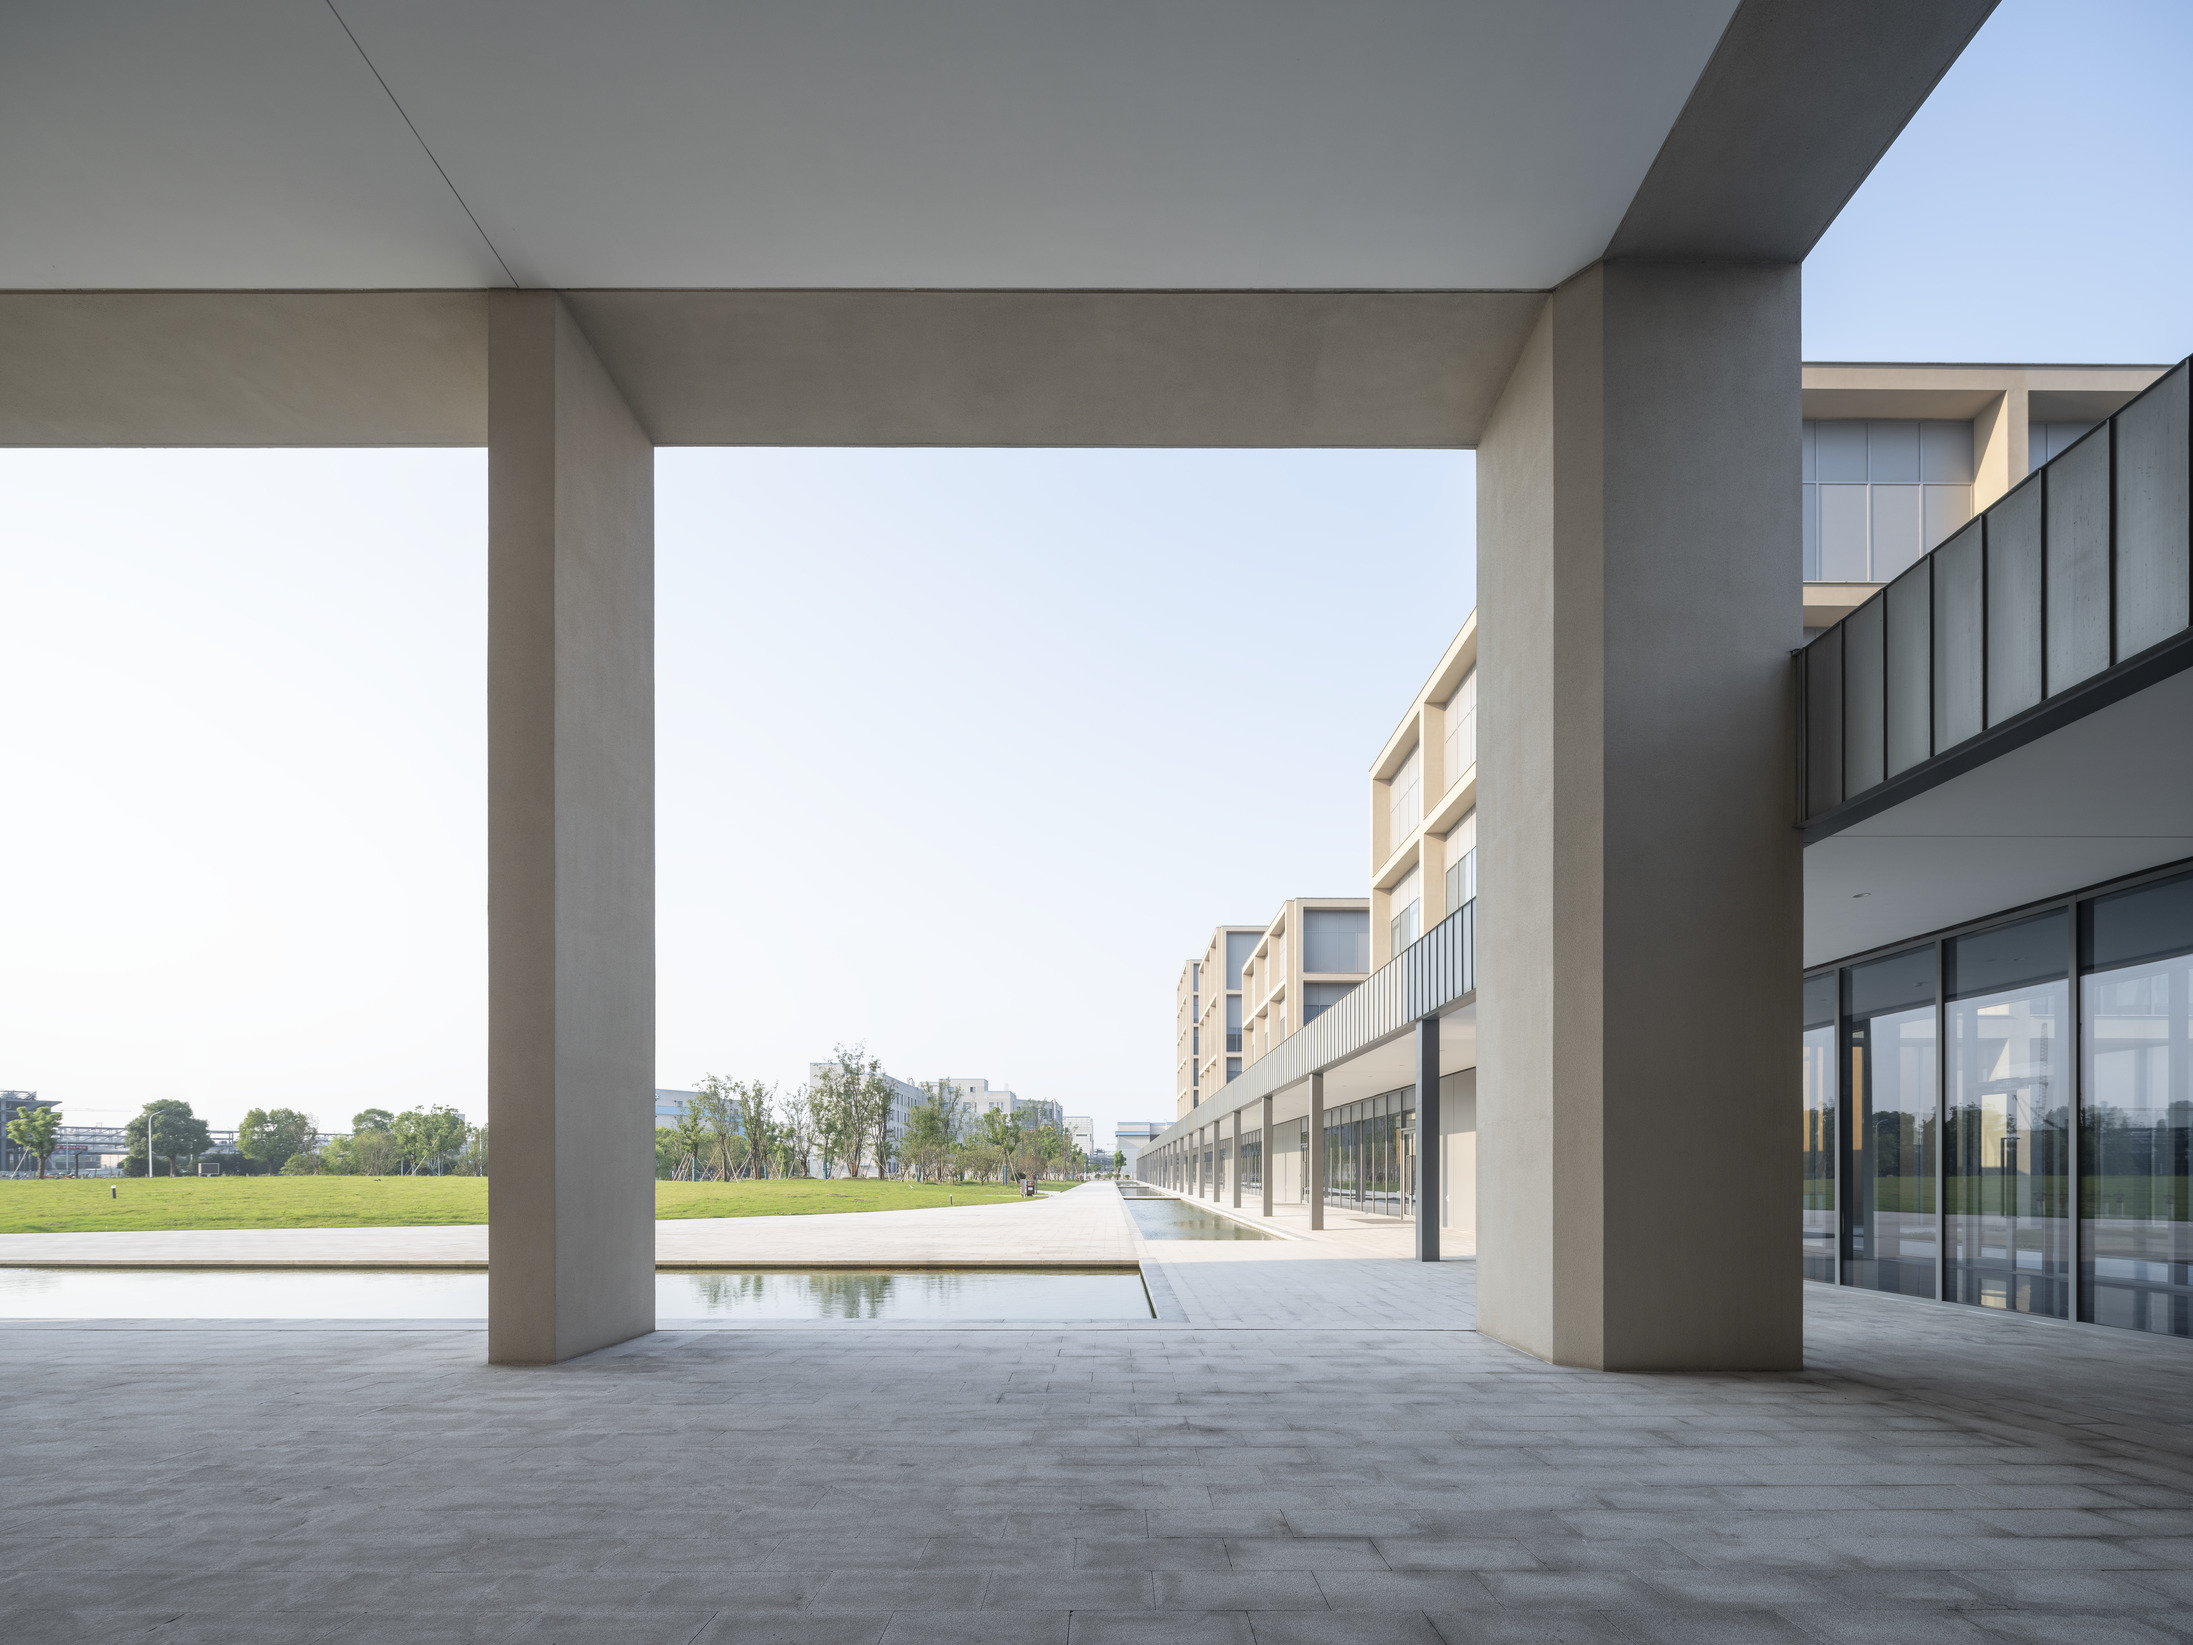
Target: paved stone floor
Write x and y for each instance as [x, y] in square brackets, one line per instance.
[1937, 1475]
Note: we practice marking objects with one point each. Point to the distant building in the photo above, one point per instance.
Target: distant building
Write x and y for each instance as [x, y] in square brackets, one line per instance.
[1130, 1137]
[14, 1160]
[983, 1098]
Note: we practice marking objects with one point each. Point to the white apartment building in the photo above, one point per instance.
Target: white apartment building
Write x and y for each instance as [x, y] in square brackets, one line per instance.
[1216, 1040]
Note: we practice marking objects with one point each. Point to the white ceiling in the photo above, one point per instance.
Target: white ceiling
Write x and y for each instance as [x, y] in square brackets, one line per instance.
[1454, 144]
[2109, 794]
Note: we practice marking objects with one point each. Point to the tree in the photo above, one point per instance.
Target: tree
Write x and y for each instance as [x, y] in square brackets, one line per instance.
[428, 1136]
[797, 1131]
[1001, 1129]
[36, 1131]
[934, 1126]
[166, 1130]
[692, 1135]
[473, 1162]
[273, 1139]
[753, 1100]
[715, 1104]
[373, 1119]
[1119, 1161]
[825, 1118]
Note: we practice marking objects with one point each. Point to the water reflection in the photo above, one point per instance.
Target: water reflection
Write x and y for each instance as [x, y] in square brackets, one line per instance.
[1160, 1216]
[876, 1294]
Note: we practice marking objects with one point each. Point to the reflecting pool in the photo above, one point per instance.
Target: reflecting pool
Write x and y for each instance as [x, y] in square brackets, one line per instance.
[700, 1298]
[1160, 1216]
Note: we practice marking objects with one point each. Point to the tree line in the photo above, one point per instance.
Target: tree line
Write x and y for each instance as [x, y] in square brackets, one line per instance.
[432, 1141]
[841, 1121]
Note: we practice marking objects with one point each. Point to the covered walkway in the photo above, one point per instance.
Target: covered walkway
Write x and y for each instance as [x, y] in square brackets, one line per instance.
[1934, 1474]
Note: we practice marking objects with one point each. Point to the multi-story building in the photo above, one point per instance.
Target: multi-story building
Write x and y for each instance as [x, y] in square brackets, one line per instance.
[1081, 1131]
[1313, 952]
[1217, 1036]
[1424, 805]
[1130, 1137]
[1995, 789]
[981, 1097]
[1188, 1037]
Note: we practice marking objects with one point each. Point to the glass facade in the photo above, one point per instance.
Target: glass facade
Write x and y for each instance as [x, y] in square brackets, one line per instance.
[1969, 1135]
[1252, 1162]
[1370, 1154]
[2006, 1161]
[1892, 1063]
[2136, 1132]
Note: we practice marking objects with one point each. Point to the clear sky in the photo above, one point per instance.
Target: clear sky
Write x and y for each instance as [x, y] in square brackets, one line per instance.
[961, 753]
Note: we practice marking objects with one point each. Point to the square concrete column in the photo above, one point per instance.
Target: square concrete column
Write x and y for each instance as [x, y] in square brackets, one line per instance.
[1427, 1139]
[1237, 1159]
[1640, 915]
[1271, 1156]
[1316, 1161]
[571, 844]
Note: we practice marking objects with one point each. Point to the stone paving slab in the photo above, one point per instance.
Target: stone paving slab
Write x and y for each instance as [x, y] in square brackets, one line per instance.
[1936, 1474]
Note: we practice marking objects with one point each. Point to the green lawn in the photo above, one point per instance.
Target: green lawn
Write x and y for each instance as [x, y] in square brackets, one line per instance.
[85, 1205]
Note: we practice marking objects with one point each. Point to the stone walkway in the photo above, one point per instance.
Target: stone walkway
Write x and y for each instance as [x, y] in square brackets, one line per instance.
[1939, 1474]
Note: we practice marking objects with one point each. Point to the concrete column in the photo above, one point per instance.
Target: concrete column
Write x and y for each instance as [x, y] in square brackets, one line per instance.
[1316, 1161]
[1639, 926]
[1271, 1156]
[571, 844]
[1237, 1159]
[1427, 1139]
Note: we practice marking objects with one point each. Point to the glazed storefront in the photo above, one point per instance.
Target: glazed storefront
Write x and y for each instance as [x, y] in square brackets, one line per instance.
[2002, 1116]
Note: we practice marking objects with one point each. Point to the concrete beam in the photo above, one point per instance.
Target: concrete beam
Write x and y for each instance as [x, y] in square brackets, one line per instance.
[1639, 922]
[571, 844]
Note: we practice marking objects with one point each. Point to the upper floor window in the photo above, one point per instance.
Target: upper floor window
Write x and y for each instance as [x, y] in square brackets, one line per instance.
[1407, 923]
[1336, 940]
[1877, 495]
[1461, 713]
[1461, 844]
[1239, 946]
[1406, 804]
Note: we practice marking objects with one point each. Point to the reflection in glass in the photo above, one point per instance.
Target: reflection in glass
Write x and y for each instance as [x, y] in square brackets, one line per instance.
[2007, 1160]
[2137, 1217]
[1820, 1151]
[1370, 1161]
[1894, 1131]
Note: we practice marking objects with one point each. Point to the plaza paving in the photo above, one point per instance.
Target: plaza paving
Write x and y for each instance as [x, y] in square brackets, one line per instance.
[1298, 1473]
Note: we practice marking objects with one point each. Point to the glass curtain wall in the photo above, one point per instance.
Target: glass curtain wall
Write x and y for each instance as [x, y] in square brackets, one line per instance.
[1957, 1154]
[2006, 1164]
[2136, 1141]
[1892, 1061]
[1820, 1128]
[1252, 1162]
[1370, 1160]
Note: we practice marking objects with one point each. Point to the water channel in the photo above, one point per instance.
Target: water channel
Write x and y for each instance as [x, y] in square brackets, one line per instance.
[1161, 1216]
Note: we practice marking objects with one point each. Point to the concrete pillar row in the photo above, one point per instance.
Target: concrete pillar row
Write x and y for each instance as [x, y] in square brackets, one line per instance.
[1639, 924]
[571, 843]
[1237, 1159]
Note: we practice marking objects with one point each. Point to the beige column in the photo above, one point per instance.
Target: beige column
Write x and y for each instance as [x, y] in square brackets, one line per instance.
[571, 844]
[1237, 1159]
[2001, 456]
[1315, 1164]
[1640, 919]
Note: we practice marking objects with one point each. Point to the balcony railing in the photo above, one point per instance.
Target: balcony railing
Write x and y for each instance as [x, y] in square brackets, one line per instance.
[2068, 593]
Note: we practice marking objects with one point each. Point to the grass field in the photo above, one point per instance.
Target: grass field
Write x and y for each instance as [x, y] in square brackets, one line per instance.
[84, 1205]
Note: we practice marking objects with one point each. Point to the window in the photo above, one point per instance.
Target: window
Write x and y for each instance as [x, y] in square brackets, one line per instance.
[1239, 946]
[2136, 1131]
[2046, 441]
[1336, 941]
[1408, 912]
[1888, 1029]
[1405, 805]
[1461, 716]
[1879, 494]
[1320, 997]
[1370, 1154]
[1461, 853]
[2006, 1154]
[1233, 1064]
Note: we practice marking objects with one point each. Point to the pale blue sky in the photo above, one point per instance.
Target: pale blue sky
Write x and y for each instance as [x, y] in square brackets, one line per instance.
[961, 753]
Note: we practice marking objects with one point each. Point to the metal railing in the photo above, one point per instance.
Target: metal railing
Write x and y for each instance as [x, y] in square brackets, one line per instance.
[1432, 973]
[2067, 593]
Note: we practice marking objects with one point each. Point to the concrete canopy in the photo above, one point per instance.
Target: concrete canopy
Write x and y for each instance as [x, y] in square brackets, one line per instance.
[1379, 189]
